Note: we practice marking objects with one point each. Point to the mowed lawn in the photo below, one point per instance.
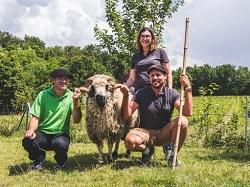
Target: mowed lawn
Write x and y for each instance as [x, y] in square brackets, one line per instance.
[200, 167]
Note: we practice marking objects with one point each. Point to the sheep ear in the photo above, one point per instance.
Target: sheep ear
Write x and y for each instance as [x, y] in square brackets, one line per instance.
[111, 82]
[88, 82]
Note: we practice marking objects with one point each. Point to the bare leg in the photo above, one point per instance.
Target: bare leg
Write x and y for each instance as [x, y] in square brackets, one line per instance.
[183, 133]
[134, 142]
[168, 133]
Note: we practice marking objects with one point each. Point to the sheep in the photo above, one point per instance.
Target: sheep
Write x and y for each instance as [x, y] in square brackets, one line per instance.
[103, 114]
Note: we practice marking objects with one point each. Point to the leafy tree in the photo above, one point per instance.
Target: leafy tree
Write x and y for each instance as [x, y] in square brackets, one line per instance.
[34, 43]
[241, 82]
[9, 41]
[127, 17]
[225, 76]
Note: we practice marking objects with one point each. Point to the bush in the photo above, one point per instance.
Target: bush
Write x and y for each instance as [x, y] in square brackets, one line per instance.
[78, 133]
[8, 125]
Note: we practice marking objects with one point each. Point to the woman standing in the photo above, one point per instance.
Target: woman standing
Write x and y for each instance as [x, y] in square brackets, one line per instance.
[148, 54]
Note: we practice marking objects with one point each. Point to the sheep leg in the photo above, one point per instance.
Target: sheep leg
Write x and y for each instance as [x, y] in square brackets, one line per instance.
[115, 152]
[128, 154]
[110, 147]
[100, 152]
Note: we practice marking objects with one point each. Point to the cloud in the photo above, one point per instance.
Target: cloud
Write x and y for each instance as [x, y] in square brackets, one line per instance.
[57, 22]
[33, 2]
[218, 31]
[10, 15]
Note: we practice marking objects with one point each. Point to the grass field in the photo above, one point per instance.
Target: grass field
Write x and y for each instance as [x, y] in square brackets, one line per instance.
[200, 166]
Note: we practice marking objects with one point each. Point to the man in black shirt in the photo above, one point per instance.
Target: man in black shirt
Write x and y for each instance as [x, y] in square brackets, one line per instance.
[156, 104]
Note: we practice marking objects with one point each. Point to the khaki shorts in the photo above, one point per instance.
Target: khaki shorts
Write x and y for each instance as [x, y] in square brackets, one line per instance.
[148, 136]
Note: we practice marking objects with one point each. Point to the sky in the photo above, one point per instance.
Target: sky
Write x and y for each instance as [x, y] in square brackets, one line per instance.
[218, 29]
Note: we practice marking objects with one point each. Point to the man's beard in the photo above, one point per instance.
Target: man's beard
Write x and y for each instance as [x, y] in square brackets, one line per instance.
[158, 86]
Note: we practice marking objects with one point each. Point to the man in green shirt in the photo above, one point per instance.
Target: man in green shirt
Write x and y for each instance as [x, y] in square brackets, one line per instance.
[48, 128]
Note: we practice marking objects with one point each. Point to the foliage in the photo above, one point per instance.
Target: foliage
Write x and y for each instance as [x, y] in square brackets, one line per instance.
[8, 41]
[230, 79]
[125, 18]
[219, 120]
[8, 125]
[25, 65]
[203, 91]
[225, 135]
[207, 105]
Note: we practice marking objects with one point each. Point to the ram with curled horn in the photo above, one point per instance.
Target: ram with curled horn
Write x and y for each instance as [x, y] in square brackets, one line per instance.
[103, 114]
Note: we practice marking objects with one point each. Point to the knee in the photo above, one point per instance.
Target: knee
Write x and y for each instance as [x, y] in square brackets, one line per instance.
[130, 142]
[60, 145]
[184, 123]
[26, 143]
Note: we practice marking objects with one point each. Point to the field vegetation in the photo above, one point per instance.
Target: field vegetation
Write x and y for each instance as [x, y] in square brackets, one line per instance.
[213, 155]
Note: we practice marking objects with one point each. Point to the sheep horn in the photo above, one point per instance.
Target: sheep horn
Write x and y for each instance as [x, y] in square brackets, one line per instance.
[83, 89]
[117, 86]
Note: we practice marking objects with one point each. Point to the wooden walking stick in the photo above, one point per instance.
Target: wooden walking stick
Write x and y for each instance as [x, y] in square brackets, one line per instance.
[181, 97]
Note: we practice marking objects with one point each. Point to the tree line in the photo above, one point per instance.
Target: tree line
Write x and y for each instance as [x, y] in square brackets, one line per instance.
[25, 65]
[229, 79]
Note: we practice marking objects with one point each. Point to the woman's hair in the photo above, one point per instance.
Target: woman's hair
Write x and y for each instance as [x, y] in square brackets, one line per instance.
[154, 42]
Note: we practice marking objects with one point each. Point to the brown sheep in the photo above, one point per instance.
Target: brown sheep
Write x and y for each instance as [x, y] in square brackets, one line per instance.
[103, 114]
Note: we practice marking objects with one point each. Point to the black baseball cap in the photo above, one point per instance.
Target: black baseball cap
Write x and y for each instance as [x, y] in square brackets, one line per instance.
[157, 67]
[61, 73]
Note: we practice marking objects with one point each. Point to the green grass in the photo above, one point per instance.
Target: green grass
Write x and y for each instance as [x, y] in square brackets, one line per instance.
[200, 167]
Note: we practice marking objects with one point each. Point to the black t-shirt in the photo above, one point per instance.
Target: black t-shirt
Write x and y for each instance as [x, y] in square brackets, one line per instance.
[155, 111]
[141, 63]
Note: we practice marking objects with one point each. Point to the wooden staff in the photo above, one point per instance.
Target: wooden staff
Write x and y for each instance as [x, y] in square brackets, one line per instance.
[181, 97]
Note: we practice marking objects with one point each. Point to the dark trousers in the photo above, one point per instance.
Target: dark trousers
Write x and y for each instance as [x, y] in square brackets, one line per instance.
[36, 147]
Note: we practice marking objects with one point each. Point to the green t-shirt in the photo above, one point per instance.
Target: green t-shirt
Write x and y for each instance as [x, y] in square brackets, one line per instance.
[53, 111]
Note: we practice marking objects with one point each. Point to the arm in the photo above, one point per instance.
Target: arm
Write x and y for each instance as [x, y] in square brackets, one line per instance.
[128, 108]
[169, 74]
[77, 114]
[131, 78]
[188, 101]
[33, 124]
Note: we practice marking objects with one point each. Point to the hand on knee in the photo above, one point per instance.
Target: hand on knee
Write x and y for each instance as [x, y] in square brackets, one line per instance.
[130, 142]
[129, 145]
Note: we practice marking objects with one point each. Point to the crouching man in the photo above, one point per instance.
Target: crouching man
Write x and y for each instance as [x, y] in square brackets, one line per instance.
[48, 128]
[156, 104]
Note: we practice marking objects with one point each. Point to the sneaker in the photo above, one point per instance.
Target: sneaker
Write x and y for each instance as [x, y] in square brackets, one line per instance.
[170, 162]
[36, 165]
[60, 166]
[167, 150]
[147, 157]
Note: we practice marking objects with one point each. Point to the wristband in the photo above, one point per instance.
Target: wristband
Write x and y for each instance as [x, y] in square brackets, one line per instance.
[188, 89]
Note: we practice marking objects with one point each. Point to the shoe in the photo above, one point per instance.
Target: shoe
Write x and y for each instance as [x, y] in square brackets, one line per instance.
[147, 157]
[167, 150]
[170, 162]
[60, 166]
[36, 165]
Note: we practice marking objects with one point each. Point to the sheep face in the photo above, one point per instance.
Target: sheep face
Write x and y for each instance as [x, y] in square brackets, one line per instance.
[99, 91]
